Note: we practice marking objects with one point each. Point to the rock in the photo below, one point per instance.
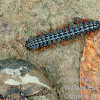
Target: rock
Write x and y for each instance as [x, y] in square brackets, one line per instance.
[25, 76]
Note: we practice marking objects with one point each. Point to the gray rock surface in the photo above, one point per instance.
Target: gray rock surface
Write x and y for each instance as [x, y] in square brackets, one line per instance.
[21, 74]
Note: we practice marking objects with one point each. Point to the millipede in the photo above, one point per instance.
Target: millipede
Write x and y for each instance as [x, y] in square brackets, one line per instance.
[66, 33]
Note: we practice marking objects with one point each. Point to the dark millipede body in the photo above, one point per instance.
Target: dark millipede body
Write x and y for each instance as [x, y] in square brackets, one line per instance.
[65, 34]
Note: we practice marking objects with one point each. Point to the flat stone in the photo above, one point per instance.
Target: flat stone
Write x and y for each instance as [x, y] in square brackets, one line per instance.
[25, 76]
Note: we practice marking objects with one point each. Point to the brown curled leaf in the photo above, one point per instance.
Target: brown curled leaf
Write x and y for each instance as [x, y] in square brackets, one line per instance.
[90, 68]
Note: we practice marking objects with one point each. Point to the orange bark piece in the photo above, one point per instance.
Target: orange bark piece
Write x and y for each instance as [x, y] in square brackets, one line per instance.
[90, 67]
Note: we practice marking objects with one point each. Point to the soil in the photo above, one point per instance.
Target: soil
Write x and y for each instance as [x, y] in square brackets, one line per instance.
[23, 18]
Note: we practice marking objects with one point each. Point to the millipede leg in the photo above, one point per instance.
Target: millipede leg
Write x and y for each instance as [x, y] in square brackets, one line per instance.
[64, 43]
[51, 46]
[42, 49]
[68, 42]
[58, 28]
[75, 39]
[45, 47]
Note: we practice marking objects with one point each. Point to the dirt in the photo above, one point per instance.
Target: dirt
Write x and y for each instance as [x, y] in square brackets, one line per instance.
[27, 17]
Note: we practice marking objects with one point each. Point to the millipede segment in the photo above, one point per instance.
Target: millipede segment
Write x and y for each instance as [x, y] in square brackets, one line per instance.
[65, 34]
